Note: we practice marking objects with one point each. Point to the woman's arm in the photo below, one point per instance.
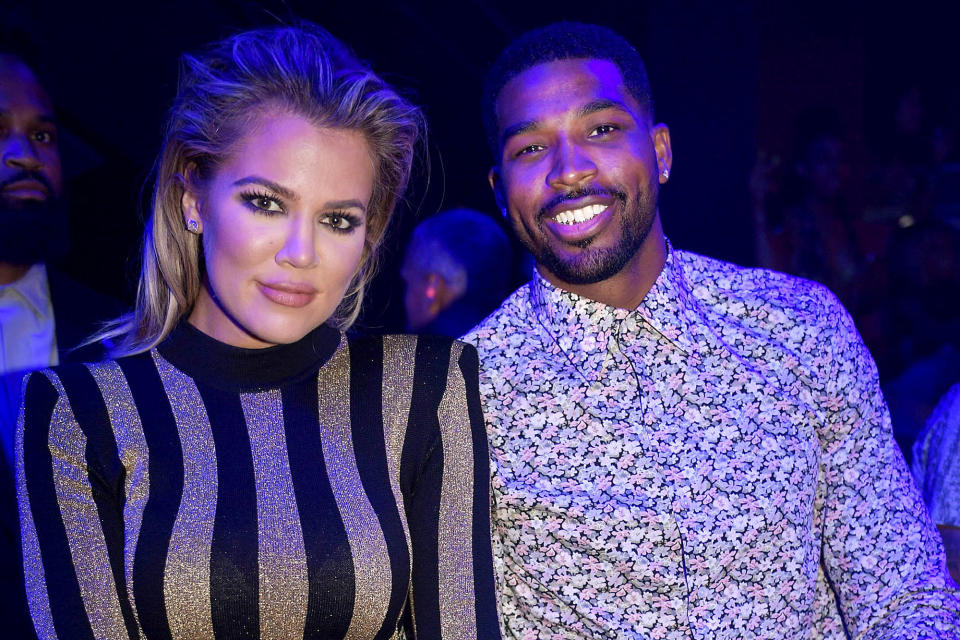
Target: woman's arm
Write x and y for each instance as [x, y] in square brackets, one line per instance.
[68, 474]
[449, 515]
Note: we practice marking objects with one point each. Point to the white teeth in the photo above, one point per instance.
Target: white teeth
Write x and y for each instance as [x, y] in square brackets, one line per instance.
[576, 216]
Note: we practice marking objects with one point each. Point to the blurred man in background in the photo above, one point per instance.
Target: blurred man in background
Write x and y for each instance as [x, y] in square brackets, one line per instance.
[456, 270]
[44, 315]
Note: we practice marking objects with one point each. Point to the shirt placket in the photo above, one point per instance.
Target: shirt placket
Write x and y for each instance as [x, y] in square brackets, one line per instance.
[640, 352]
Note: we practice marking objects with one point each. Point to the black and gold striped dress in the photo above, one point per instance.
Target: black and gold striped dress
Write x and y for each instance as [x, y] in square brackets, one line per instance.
[331, 488]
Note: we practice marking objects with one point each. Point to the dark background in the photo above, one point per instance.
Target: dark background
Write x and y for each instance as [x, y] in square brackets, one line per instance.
[728, 77]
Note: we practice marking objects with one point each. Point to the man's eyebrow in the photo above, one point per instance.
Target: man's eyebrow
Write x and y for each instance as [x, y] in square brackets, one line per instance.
[47, 118]
[591, 107]
[289, 194]
[516, 129]
[601, 105]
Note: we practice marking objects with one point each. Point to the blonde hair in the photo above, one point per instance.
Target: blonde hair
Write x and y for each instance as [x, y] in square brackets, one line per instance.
[301, 69]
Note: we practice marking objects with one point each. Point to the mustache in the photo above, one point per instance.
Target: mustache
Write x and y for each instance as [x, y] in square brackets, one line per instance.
[576, 194]
[27, 175]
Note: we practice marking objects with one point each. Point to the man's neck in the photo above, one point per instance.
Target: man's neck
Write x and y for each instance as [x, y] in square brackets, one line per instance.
[628, 287]
[10, 272]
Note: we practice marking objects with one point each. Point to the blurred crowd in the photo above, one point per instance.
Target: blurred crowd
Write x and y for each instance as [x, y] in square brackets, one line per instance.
[881, 232]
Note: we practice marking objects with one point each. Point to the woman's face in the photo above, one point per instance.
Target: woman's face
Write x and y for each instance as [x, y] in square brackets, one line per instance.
[283, 223]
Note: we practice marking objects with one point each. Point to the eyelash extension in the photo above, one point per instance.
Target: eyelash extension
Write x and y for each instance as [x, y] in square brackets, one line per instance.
[352, 221]
[248, 198]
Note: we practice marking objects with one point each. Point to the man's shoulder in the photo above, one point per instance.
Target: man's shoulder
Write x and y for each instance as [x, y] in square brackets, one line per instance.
[78, 312]
[511, 317]
[755, 295]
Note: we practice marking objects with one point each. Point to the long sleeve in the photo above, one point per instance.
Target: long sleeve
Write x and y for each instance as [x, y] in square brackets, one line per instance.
[69, 487]
[449, 512]
[880, 550]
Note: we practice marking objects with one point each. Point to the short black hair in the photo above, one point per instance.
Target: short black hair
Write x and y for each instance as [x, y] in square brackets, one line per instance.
[16, 44]
[562, 41]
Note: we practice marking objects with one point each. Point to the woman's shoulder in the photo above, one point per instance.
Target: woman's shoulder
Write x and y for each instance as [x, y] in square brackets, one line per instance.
[424, 350]
[64, 378]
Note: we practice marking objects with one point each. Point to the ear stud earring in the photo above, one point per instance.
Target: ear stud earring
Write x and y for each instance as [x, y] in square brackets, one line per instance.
[666, 174]
[193, 226]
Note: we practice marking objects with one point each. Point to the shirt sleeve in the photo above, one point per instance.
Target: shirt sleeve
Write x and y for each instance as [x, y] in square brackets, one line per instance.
[453, 595]
[70, 511]
[881, 551]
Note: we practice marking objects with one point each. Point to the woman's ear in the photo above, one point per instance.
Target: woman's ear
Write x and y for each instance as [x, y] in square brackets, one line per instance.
[190, 204]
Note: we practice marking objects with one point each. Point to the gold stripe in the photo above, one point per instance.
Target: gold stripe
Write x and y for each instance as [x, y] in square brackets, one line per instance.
[35, 578]
[132, 449]
[88, 548]
[186, 576]
[457, 604]
[399, 356]
[282, 557]
[399, 353]
[371, 563]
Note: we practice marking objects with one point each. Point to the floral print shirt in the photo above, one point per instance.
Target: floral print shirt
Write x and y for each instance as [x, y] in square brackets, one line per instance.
[716, 464]
[936, 460]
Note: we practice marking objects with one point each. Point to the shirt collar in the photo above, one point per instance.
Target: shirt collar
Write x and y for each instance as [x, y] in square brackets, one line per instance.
[34, 290]
[669, 307]
[582, 327]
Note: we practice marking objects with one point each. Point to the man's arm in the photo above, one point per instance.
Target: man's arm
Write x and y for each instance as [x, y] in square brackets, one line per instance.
[880, 548]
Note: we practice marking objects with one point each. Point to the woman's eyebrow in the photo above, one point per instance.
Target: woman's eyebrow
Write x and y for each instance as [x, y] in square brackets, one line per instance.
[280, 190]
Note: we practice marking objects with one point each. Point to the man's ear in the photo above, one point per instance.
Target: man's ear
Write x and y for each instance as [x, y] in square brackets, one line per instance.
[660, 135]
[493, 177]
[441, 293]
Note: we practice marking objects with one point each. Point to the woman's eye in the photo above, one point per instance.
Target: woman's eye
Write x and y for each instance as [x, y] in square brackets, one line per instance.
[265, 203]
[339, 221]
[43, 137]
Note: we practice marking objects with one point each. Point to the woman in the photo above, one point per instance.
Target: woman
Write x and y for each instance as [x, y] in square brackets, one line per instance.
[244, 469]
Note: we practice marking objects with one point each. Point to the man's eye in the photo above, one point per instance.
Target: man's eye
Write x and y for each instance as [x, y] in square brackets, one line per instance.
[43, 137]
[527, 150]
[602, 130]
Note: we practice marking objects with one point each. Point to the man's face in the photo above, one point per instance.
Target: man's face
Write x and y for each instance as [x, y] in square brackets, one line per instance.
[579, 169]
[33, 220]
[417, 299]
[29, 157]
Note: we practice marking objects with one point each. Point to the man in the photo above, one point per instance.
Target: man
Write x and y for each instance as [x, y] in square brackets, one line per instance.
[936, 469]
[456, 270]
[682, 448]
[43, 314]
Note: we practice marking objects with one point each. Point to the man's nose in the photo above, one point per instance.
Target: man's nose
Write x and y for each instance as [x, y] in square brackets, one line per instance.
[571, 166]
[18, 153]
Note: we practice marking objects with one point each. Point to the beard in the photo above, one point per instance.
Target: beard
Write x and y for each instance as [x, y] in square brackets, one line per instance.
[32, 231]
[595, 265]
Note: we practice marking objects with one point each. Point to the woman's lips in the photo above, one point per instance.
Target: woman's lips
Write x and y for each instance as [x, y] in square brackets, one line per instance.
[288, 294]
